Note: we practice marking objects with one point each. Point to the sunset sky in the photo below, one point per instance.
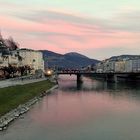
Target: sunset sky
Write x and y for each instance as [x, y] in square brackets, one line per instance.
[95, 28]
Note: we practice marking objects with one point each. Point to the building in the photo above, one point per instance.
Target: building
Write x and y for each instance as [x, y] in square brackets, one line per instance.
[8, 58]
[100, 67]
[7, 55]
[129, 65]
[32, 58]
[13, 59]
[132, 65]
[3, 61]
[120, 66]
[136, 65]
[109, 66]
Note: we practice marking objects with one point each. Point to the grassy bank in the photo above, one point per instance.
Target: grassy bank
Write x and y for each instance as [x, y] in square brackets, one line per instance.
[11, 97]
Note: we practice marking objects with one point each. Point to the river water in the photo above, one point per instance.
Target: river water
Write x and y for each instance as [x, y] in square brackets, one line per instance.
[95, 110]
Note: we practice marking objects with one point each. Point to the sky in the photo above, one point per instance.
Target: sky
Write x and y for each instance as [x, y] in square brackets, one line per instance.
[96, 28]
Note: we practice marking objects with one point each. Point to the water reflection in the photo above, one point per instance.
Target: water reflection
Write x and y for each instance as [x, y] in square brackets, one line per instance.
[93, 110]
[79, 85]
[89, 85]
[96, 85]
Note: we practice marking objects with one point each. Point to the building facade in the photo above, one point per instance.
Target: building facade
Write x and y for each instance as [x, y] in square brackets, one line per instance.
[9, 59]
[100, 67]
[120, 66]
[129, 66]
[109, 66]
[133, 65]
[32, 58]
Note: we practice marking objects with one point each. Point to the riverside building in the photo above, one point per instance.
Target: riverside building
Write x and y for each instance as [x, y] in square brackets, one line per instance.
[109, 66]
[120, 66]
[132, 65]
[32, 58]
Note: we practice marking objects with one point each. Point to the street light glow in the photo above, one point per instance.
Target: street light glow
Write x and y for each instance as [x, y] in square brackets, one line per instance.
[49, 72]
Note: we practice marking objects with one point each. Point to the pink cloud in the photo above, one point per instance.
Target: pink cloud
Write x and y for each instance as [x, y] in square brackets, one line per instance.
[63, 36]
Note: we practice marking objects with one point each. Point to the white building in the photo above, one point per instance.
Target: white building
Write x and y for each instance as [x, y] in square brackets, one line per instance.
[32, 58]
[100, 67]
[13, 59]
[136, 65]
[120, 66]
[9, 59]
[3, 61]
[129, 66]
[132, 65]
[109, 66]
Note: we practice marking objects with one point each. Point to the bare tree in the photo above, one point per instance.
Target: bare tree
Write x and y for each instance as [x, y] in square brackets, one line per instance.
[11, 44]
[1, 40]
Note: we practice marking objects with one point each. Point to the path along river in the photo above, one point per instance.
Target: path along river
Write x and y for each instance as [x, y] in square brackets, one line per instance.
[94, 110]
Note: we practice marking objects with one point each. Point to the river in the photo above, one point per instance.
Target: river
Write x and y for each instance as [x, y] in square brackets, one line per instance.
[94, 110]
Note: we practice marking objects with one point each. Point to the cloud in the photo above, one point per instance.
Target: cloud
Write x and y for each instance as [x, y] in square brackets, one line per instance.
[64, 32]
[127, 21]
[124, 21]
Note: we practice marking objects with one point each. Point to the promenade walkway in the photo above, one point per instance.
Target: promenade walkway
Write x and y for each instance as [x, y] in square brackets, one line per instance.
[20, 81]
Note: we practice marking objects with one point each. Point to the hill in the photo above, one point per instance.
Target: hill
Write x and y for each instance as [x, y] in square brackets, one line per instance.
[69, 60]
[121, 57]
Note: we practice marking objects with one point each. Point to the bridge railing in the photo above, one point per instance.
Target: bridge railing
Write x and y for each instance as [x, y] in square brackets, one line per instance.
[92, 72]
[75, 71]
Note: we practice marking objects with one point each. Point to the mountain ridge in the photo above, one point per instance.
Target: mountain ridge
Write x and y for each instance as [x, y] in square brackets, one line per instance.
[68, 60]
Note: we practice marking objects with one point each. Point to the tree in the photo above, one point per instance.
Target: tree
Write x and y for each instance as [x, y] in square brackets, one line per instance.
[11, 44]
[3, 48]
[1, 41]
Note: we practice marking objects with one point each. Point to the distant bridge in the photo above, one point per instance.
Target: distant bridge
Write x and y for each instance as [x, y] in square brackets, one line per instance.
[107, 76]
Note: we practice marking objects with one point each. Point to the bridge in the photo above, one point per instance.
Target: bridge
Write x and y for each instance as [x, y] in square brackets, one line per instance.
[107, 76]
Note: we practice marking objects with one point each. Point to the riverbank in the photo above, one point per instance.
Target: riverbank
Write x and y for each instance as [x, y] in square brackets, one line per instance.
[21, 97]
[21, 81]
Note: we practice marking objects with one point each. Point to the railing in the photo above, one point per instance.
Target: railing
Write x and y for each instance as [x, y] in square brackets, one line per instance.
[94, 72]
[29, 77]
